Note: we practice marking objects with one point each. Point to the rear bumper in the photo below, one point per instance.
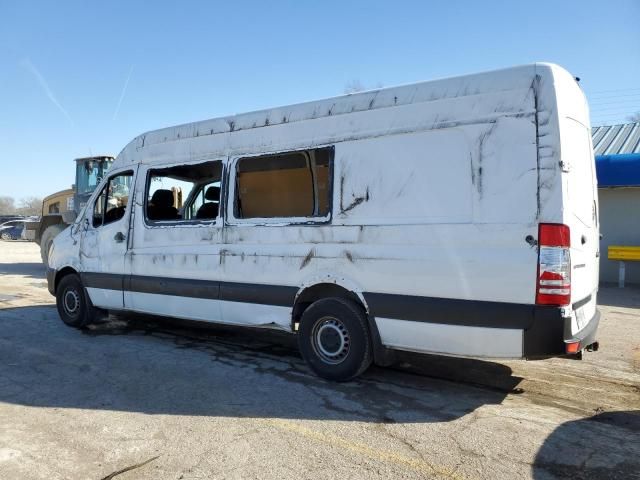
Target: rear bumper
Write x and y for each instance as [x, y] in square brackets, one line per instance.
[51, 280]
[587, 335]
[550, 333]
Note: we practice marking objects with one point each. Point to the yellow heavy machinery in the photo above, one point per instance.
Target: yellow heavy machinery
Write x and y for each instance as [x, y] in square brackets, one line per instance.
[60, 209]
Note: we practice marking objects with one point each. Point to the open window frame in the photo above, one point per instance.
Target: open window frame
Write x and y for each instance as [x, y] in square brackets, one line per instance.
[218, 220]
[231, 189]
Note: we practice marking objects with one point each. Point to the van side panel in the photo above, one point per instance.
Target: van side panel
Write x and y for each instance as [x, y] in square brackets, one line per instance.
[418, 178]
[451, 339]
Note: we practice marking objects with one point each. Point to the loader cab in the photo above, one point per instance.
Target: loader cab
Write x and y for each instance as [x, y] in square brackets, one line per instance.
[89, 173]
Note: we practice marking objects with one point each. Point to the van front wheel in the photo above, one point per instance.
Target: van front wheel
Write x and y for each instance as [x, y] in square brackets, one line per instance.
[74, 306]
[334, 339]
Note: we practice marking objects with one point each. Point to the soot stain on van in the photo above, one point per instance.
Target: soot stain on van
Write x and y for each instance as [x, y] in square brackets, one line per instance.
[473, 170]
[158, 258]
[223, 256]
[206, 235]
[307, 258]
[476, 177]
[406, 183]
[356, 200]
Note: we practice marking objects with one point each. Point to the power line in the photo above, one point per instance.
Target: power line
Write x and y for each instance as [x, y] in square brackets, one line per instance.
[616, 90]
[595, 113]
[607, 102]
[614, 112]
[619, 114]
[611, 120]
[608, 97]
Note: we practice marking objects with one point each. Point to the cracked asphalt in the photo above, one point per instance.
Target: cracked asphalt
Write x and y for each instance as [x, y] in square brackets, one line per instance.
[200, 403]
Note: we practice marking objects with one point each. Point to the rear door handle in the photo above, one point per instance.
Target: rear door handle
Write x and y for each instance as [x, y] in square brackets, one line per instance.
[119, 237]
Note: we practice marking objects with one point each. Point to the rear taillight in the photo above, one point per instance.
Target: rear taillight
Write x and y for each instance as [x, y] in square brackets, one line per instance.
[554, 265]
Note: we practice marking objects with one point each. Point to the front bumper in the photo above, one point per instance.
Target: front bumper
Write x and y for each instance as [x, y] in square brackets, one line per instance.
[51, 280]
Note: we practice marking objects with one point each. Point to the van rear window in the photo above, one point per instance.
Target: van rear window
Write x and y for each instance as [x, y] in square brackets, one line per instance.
[294, 184]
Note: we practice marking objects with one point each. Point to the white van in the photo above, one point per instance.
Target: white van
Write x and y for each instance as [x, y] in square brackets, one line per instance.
[455, 216]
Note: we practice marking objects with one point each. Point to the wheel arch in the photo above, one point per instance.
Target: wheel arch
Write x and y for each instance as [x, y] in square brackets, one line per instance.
[327, 286]
[60, 274]
[309, 294]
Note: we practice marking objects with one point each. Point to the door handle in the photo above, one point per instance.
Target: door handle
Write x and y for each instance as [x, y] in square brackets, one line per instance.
[119, 237]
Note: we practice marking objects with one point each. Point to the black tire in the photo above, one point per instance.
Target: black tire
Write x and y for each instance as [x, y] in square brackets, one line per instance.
[47, 239]
[334, 339]
[6, 236]
[74, 307]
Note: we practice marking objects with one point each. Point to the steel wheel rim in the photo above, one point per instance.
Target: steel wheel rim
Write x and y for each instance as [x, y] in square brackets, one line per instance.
[331, 340]
[71, 302]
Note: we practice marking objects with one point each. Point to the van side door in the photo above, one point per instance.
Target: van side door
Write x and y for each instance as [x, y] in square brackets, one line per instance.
[174, 261]
[103, 243]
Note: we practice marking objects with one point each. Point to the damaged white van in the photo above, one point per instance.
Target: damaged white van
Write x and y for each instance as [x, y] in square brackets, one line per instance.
[455, 217]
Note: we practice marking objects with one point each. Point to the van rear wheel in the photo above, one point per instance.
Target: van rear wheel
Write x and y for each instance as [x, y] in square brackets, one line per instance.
[334, 339]
[72, 301]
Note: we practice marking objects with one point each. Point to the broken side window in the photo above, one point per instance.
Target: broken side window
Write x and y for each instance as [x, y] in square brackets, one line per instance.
[111, 204]
[184, 193]
[293, 184]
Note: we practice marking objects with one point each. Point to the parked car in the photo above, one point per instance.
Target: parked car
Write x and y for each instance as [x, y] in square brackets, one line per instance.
[7, 218]
[11, 230]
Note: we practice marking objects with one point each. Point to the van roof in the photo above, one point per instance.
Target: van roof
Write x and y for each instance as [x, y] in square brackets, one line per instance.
[428, 91]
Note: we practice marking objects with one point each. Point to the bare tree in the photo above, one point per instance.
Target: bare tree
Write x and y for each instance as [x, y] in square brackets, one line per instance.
[30, 206]
[354, 86]
[7, 206]
[634, 118]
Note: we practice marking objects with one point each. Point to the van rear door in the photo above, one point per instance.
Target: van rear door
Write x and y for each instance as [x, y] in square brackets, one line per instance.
[581, 211]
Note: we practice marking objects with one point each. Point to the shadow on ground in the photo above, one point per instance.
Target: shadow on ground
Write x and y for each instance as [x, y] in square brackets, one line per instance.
[611, 295]
[145, 365]
[27, 269]
[605, 446]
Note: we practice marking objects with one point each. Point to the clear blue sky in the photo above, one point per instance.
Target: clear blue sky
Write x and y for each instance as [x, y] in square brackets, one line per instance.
[64, 65]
